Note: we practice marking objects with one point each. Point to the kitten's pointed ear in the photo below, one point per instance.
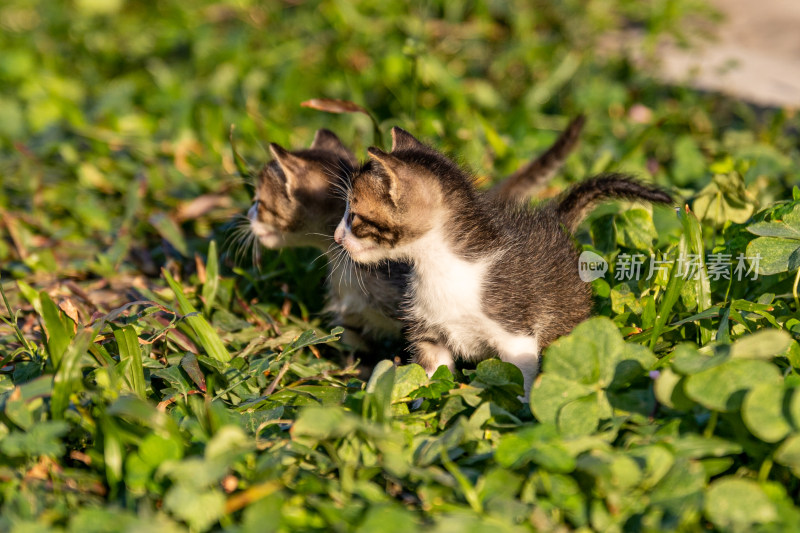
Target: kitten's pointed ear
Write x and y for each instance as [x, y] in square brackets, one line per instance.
[328, 141]
[402, 140]
[391, 165]
[292, 166]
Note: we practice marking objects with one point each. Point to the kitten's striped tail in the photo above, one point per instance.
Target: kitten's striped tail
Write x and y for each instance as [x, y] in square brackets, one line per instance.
[573, 205]
[526, 181]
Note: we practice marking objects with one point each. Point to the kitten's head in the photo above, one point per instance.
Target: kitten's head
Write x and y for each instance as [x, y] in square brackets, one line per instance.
[396, 198]
[299, 195]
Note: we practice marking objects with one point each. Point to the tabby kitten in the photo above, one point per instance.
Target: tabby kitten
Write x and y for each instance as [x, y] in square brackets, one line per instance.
[299, 200]
[487, 279]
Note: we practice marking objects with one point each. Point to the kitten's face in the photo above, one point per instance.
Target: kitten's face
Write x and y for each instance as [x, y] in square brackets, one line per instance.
[274, 215]
[298, 196]
[393, 201]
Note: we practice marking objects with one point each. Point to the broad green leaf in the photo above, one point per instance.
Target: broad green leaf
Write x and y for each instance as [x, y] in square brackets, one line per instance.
[200, 508]
[788, 454]
[58, 335]
[592, 356]
[498, 373]
[378, 400]
[669, 391]
[548, 395]
[324, 422]
[579, 417]
[156, 449]
[583, 355]
[539, 444]
[774, 229]
[634, 362]
[695, 446]
[229, 440]
[792, 218]
[723, 388]
[723, 200]
[680, 491]
[635, 229]
[773, 254]
[408, 378]
[763, 344]
[762, 412]
[611, 469]
[657, 461]
[738, 504]
[794, 260]
[687, 359]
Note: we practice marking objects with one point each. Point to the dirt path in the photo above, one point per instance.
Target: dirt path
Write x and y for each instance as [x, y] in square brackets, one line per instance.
[755, 56]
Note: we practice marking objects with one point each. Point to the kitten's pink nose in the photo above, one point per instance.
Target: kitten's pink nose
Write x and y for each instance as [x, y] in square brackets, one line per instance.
[338, 235]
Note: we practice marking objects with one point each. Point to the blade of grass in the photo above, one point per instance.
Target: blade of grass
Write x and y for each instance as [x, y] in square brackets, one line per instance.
[208, 337]
[31, 295]
[58, 336]
[212, 279]
[694, 234]
[131, 352]
[11, 321]
[671, 295]
[68, 375]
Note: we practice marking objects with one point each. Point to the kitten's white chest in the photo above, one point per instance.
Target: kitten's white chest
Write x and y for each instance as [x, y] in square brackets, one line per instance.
[447, 295]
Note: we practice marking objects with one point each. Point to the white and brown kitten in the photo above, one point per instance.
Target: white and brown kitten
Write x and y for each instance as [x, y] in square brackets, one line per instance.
[487, 278]
[299, 200]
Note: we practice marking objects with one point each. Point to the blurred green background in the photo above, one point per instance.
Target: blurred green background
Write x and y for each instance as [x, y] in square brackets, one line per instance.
[116, 114]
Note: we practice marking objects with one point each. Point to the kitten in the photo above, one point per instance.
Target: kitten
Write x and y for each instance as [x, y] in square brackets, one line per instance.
[299, 200]
[487, 278]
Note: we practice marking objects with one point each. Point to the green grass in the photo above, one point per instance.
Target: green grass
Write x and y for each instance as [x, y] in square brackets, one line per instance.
[150, 380]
